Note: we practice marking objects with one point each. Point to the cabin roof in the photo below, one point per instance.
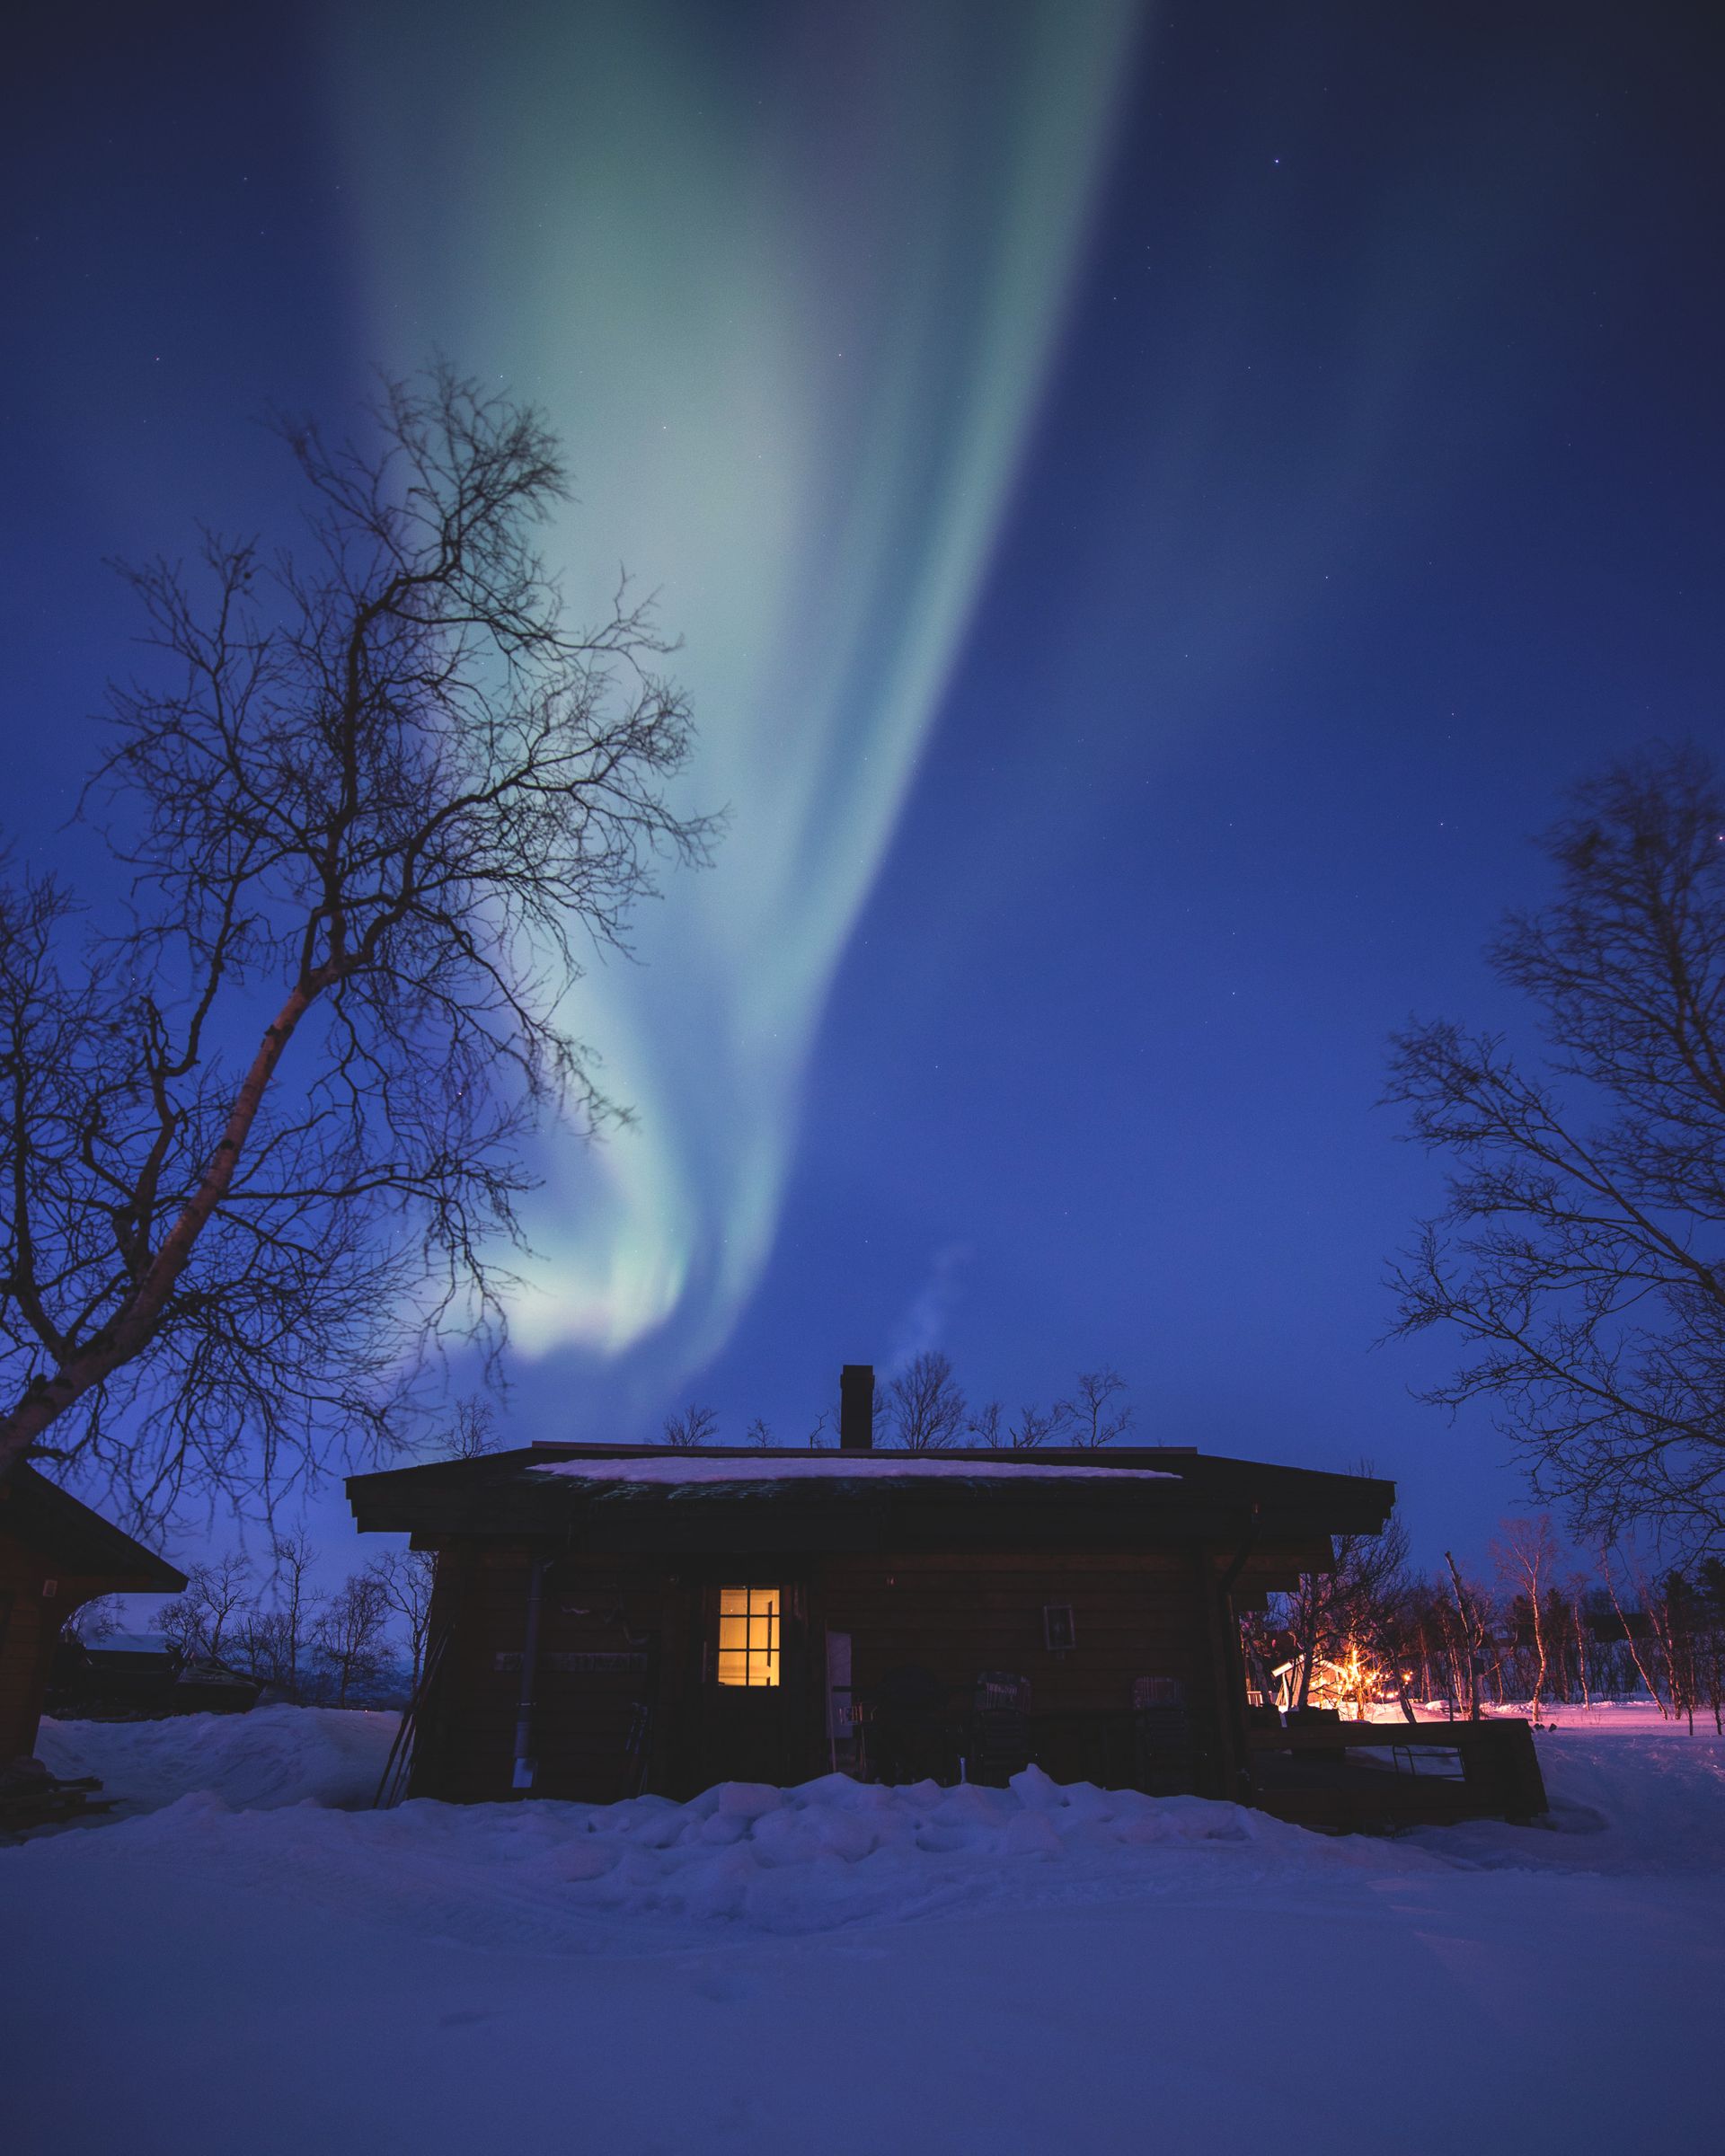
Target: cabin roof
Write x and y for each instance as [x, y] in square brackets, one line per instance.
[685, 1469]
[56, 1526]
[727, 1496]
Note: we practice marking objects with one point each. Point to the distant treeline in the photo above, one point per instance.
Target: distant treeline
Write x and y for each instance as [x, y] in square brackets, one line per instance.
[1373, 1632]
[302, 1644]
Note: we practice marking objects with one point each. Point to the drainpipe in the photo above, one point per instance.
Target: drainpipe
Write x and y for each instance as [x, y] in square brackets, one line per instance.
[1231, 1661]
[525, 1765]
[1225, 1586]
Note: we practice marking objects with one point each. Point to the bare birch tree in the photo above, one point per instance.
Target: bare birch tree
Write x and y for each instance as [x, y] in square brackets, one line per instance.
[350, 1632]
[218, 1596]
[294, 1559]
[378, 804]
[405, 1578]
[1355, 1610]
[1099, 1412]
[1581, 1255]
[475, 1430]
[982, 1425]
[695, 1425]
[1626, 1627]
[1471, 1616]
[1032, 1427]
[1525, 1554]
[925, 1410]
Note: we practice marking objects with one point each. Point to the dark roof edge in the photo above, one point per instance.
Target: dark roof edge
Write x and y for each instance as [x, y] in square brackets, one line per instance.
[517, 1485]
[1179, 1463]
[40, 1514]
[1105, 1455]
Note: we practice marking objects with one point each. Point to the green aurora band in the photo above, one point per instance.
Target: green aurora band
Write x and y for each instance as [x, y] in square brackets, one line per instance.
[787, 284]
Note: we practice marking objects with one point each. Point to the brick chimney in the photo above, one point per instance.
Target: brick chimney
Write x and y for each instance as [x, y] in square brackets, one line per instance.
[857, 1408]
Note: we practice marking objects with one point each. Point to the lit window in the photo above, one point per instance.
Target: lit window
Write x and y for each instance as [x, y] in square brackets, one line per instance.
[749, 1635]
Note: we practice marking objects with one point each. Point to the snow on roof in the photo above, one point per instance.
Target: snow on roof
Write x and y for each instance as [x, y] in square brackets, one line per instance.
[678, 1467]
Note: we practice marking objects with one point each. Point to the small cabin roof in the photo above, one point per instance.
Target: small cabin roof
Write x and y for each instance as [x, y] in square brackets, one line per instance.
[736, 1497]
[150, 1644]
[65, 1534]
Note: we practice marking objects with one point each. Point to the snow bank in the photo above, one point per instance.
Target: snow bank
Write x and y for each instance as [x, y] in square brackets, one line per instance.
[678, 1468]
[256, 1761]
[847, 1968]
[740, 1859]
[283, 1793]
[1630, 1793]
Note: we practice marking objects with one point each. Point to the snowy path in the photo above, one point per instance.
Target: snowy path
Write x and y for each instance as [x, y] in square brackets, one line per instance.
[428, 1981]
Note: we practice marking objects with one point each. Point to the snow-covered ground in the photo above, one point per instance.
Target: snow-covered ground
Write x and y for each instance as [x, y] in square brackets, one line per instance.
[238, 1967]
[254, 1763]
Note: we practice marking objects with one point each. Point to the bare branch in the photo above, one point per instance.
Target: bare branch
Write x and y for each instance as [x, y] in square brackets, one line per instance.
[696, 1425]
[265, 1139]
[1581, 1253]
[925, 1411]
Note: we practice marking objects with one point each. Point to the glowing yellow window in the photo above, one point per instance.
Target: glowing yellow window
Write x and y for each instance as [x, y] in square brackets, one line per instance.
[749, 1635]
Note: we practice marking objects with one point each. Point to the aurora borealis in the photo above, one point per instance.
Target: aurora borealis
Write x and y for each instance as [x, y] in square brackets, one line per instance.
[790, 311]
[1157, 501]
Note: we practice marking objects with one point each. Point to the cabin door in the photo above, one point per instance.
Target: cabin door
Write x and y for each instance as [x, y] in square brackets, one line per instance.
[753, 1688]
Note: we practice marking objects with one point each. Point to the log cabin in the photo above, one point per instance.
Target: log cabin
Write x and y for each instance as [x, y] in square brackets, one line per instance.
[612, 1620]
[56, 1554]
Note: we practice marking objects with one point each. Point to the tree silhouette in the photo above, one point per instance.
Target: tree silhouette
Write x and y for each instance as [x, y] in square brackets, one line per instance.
[1579, 1254]
[264, 1136]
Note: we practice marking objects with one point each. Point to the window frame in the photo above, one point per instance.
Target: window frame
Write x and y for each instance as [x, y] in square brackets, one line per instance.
[758, 1653]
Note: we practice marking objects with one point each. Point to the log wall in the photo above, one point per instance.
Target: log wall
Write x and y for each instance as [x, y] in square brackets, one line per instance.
[624, 1699]
[600, 1670]
[35, 1601]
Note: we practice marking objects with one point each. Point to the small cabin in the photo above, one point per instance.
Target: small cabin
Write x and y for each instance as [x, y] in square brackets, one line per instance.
[128, 1676]
[608, 1621]
[56, 1554]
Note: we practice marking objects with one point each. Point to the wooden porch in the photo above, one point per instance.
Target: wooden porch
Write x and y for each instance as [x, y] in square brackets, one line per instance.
[1366, 1777]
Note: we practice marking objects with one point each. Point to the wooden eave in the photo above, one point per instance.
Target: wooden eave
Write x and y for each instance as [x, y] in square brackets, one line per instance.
[1226, 1503]
[68, 1537]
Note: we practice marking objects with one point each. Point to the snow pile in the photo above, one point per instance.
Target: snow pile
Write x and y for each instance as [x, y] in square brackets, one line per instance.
[741, 1859]
[835, 1852]
[256, 1761]
[1629, 1793]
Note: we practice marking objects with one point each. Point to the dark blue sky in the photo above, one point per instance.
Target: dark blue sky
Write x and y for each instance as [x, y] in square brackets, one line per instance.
[1374, 497]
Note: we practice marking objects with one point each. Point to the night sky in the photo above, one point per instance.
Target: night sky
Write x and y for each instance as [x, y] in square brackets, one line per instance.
[1159, 507]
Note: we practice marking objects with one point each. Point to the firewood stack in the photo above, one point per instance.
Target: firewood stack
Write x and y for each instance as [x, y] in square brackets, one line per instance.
[31, 1796]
